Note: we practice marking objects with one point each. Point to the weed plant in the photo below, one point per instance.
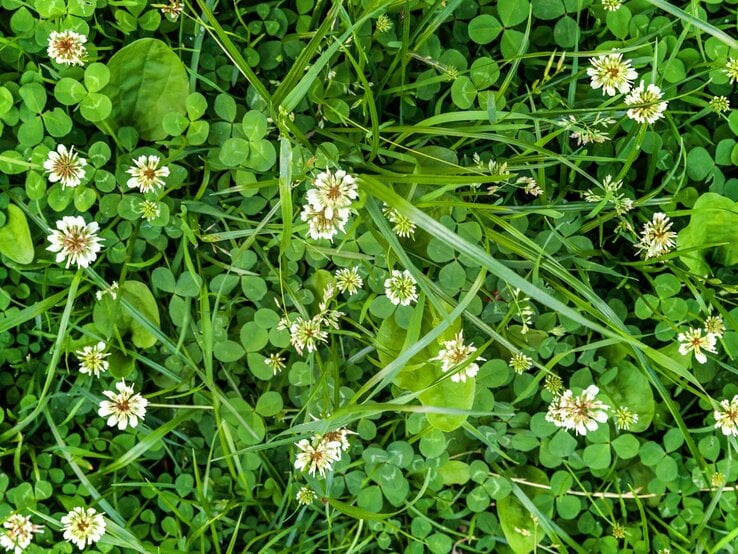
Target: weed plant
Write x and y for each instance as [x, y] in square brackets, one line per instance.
[368, 276]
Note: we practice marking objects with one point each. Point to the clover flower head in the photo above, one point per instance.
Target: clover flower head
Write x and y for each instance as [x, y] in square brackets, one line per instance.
[173, 10]
[92, 359]
[645, 101]
[403, 227]
[146, 175]
[583, 412]
[75, 241]
[348, 280]
[611, 73]
[317, 455]
[726, 417]
[83, 527]
[275, 361]
[332, 191]
[719, 104]
[731, 70]
[520, 362]
[19, 533]
[124, 408]
[612, 5]
[400, 288]
[65, 166]
[694, 341]
[624, 418]
[454, 353]
[305, 496]
[67, 47]
[306, 334]
[656, 236]
[714, 325]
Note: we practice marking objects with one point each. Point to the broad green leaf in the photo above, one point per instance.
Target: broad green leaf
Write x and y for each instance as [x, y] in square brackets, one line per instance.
[262, 155]
[108, 314]
[714, 221]
[463, 92]
[15, 237]
[630, 388]
[483, 29]
[419, 375]
[513, 12]
[514, 517]
[147, 81]
[69, 92]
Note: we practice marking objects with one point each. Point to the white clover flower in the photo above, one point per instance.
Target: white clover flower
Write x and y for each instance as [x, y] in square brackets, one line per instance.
[65, 166]
[75, 240]
[149, 210]
[332, 192]
[349, 280]
[92, 359]
[112, 290]
[320, 226]
[317, 455]
[455, 352]
[146, 175]
[726, 418]
[624, 418]
[275, 361]
[582, 413]
[400, 288]
[611, 74]
[19, 533]
[306, 334]
[327, 209]
[173, 10]
[83, 527]
[612, 5]
[531, 186]
[714, 325]
[731, 70]
[339, 437]
[67, 47]
[656, 238]
[125, 408]
[719, 104]
[520, 362]
[650, 96]
[693, 341]
[305, 496]
[402, 227]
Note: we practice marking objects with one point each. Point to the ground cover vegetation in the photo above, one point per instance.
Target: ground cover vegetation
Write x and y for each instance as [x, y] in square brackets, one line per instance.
[368, 275]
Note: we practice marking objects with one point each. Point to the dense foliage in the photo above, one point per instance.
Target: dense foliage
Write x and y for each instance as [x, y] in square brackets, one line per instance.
[360, 276]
